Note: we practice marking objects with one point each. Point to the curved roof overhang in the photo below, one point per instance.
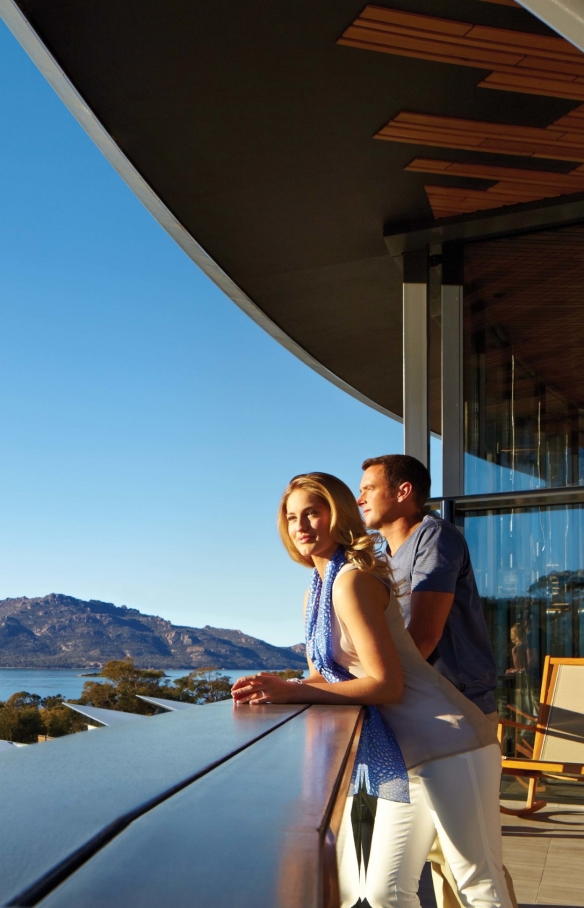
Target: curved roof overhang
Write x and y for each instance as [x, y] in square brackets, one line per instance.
[291, 167]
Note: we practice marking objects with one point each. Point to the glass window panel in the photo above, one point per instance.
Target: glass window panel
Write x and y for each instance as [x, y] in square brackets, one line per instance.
[523, 381]
[527, 564]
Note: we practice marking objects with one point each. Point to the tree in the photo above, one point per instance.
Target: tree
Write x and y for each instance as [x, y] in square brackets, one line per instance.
[20, 719]
[124, 671]
[203, 685]
[24, 716]
[58, 719]
[125, 681]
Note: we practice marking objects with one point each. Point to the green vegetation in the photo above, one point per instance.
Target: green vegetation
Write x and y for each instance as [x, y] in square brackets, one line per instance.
[124, 681]
[24, 717]
[289, 673]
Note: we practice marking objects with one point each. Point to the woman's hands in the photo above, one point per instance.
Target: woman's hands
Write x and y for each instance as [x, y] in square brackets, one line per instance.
[264, 687]
[360, 603]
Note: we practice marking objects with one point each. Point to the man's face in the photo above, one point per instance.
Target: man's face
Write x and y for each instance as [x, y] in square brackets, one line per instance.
[377, 504]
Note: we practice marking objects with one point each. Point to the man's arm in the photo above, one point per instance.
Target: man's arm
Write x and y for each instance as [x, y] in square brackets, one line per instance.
[428, 614]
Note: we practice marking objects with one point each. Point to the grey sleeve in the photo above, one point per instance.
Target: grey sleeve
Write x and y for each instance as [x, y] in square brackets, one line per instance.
[438, 561]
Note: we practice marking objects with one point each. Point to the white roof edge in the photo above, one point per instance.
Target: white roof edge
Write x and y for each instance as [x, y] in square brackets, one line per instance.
[107, 717]
[34, 47]
[566, 17]
[9, 745]
[165, 703]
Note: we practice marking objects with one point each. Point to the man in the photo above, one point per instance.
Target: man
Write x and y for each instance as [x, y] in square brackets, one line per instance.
[437, 593]
[433, 576]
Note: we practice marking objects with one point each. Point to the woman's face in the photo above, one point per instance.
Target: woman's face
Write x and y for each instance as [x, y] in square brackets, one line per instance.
[309, 522]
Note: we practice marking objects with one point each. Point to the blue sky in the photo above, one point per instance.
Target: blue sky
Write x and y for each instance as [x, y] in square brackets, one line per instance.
[148, 426]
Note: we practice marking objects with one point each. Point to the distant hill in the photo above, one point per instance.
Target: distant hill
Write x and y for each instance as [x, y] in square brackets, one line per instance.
[58, 631]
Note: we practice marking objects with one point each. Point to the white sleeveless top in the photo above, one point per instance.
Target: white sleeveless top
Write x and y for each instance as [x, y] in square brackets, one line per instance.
[432, 719]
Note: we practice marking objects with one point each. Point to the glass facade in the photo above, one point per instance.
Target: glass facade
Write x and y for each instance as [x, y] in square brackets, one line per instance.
[528, 567]
[523, 381]
[523, 392]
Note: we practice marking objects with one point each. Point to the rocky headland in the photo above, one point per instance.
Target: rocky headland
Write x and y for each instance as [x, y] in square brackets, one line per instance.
[58, 631]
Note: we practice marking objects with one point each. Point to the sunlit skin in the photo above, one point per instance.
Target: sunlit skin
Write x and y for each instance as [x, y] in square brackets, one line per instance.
[309, 522]
[395, 514]
[360, 600]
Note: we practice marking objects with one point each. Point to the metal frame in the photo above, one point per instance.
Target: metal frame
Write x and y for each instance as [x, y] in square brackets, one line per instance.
[452, 374]
[566, 17]
[415, 355]
[565, 495]
[525, 218]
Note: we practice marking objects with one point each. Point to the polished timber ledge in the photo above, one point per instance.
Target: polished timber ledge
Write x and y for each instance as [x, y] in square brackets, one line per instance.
[216, 805]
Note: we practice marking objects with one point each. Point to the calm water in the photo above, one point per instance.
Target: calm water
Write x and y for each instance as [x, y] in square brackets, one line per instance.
[65, 681]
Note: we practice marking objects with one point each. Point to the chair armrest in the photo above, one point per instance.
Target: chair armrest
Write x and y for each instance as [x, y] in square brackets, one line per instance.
[511, 724]
[521, 713]
[511, 764]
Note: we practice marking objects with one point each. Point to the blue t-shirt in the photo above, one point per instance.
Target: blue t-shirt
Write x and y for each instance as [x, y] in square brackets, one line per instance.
[435, 558]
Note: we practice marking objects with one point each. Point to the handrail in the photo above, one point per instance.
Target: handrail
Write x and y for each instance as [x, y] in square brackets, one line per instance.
[329, 869]
[62, 801]
[235, 804]
[502, 500]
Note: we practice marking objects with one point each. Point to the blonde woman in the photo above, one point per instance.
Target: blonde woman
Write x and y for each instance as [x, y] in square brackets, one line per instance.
[426, 752]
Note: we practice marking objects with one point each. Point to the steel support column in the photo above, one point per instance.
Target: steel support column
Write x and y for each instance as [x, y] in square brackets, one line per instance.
[452, 375]
[415, 353]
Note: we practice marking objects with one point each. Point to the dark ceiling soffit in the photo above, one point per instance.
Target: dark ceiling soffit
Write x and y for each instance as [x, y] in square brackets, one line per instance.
[58, 80]
[400, 238]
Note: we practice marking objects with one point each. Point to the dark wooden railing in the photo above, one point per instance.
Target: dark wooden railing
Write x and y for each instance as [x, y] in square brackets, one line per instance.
[214, 806]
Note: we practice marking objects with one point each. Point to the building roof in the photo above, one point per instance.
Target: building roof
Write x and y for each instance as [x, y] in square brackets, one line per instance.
[279, 142]
[9, 745]
[164, 703]
[105, 716]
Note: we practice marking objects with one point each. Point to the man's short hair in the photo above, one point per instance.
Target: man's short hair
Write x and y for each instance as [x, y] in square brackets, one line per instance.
[400, 468]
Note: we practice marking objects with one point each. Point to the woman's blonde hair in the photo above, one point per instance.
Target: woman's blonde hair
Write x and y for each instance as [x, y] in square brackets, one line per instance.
[347, 527]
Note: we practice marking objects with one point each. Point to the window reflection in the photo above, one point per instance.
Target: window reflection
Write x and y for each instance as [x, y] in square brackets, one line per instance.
[527, 564]
[523, 382]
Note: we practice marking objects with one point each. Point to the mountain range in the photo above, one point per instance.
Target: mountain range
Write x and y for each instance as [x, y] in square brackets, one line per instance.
[58, 631]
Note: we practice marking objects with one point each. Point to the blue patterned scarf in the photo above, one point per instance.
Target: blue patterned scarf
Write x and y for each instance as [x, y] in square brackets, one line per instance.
[379, 765]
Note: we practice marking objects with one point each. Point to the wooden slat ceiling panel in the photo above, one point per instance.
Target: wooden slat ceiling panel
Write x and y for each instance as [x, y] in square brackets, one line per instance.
[507, 130]
[568, 182]
[567, 133]
[448, 132]
[429, 50]
[520, 62]
[206, 117]
[512, 284]
[546, 65]
[553, 47]
[552, 88]
[503, 193]
[461, 201]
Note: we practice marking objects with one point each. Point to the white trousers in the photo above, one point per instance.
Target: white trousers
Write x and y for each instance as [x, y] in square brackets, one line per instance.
[456, 797]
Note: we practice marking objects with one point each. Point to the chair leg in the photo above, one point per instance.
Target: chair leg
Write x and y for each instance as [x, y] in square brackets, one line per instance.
[532, 805]
[525, 784]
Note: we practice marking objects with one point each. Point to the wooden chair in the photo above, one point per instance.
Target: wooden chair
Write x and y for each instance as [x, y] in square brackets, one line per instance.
[558, 748]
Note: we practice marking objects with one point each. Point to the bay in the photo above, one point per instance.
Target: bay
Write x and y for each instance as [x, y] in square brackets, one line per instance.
[69, 681]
